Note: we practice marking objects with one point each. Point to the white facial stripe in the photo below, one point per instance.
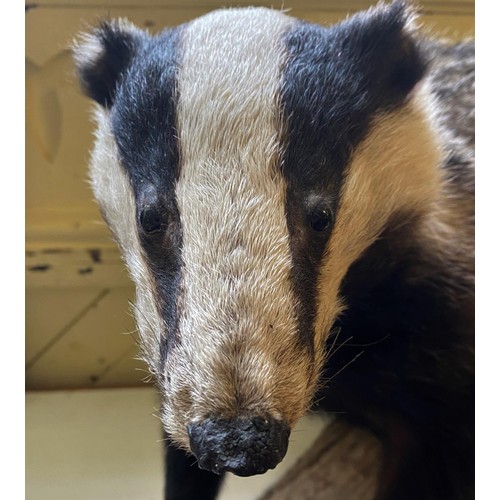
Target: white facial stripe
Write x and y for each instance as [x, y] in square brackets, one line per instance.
[112, 189]
[238, 308]
[393, 168]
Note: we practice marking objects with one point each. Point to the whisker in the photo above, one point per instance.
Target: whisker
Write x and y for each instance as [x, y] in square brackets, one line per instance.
[143, 316]
[334, 343]
[346, 365]
[371, 343]
[341, 345]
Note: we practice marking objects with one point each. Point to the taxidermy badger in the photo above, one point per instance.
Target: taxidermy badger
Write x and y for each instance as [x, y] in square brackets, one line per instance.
[295, 202]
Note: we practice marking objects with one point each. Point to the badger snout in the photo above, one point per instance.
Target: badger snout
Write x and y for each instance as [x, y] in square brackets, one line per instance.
[243, 446]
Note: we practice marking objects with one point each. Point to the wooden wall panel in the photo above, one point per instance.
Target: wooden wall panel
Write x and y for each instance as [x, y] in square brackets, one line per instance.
[85, 354]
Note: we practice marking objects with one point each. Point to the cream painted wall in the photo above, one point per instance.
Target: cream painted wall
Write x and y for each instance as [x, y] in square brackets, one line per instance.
[105, 444]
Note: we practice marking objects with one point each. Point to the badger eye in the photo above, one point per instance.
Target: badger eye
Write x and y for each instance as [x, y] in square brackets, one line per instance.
[320, 219]
[150, 220]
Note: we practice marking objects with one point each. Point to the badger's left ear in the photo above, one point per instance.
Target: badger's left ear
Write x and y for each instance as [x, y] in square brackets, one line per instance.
[384, 45]
[103, 55]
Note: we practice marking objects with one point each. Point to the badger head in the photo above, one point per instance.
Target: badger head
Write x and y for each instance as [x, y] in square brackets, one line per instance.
[243, 162]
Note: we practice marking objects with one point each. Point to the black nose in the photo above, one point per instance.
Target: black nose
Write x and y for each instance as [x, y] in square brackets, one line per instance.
[244, 446]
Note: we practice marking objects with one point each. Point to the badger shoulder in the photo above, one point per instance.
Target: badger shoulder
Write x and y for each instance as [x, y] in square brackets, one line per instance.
[408, 326]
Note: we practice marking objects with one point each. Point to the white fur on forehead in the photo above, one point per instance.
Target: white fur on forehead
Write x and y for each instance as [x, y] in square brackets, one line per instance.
[238, 310]
[112, 190]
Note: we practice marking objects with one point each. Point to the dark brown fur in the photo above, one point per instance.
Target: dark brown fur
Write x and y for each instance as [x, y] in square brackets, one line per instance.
[411, 310]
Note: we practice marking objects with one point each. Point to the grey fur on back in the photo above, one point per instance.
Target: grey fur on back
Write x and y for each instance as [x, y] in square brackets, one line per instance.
[452, 78]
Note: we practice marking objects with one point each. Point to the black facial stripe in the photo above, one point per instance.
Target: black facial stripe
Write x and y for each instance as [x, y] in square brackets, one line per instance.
[143, 120]
[335, 81]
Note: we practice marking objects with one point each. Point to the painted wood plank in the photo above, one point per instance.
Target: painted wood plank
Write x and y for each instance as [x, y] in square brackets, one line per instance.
[313, 4]
[48, 312]
[96, 341]
[65, 267]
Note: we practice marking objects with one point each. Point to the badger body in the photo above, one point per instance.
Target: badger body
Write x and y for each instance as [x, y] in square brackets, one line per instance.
[295, 205]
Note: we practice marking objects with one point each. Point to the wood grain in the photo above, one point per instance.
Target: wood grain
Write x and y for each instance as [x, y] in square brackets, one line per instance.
[342, 464]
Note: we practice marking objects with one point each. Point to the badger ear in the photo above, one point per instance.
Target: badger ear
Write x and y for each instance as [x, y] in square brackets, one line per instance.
[385, 44]
[102, 56]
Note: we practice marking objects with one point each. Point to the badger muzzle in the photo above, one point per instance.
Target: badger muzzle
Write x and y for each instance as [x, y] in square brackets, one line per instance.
[244, 446]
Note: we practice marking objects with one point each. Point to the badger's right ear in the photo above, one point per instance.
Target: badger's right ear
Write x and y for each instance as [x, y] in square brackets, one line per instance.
[103, 55]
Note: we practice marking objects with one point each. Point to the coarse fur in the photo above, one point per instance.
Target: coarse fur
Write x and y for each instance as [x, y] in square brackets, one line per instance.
[218, 144]
[235, 251]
